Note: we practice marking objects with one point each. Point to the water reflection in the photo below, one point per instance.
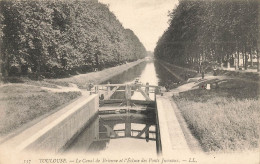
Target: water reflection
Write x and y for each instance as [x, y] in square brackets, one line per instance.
[151, 72]
[127, 76]
[109, 132]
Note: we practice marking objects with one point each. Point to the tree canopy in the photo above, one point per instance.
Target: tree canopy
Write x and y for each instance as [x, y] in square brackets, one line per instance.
[212, 31]
[63, 36]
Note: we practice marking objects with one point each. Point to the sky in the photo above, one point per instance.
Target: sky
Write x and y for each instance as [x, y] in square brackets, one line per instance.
[147, 18]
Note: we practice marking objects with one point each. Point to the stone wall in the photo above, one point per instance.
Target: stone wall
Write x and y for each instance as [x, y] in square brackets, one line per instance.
[55, 135]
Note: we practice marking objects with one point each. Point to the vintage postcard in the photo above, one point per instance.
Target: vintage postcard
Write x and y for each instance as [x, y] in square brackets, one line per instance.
[129, 81]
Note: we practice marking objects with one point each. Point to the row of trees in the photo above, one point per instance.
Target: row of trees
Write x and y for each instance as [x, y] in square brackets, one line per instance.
[64, 36]
[212, 31]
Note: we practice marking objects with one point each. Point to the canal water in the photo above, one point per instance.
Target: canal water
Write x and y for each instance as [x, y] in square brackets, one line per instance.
[132, 133]
[150, 71]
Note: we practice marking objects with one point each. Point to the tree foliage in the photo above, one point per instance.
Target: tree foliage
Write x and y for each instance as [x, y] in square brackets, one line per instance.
[55, 37]
[213, 31]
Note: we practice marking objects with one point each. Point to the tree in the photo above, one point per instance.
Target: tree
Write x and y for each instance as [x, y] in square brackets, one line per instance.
[210, 31]
[50, 37]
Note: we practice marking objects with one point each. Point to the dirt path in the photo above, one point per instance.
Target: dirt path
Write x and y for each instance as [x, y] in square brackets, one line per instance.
[71, 88]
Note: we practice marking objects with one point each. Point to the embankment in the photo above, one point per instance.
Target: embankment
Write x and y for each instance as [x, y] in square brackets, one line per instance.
[181, 73]
[83, 80]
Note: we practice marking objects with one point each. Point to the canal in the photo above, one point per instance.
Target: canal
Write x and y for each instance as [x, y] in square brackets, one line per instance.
[132, 133]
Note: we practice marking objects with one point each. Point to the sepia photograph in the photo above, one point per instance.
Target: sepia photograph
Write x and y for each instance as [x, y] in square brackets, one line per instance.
[129, 81]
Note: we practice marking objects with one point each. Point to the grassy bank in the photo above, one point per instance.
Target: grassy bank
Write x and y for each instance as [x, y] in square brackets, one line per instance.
[224, 118]
[20, 104]
[240, 74]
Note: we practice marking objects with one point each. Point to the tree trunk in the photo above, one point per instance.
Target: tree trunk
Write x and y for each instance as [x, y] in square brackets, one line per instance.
[96, 60]
[1, 67]
[246, 61]
[258, 61]
[258, 40]
[228, 62]
[38, 72]
[221, 61]
[236, 60]
[251, 57]
[221, 64]
[6, 66]
[246, 58]
[243, 54]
